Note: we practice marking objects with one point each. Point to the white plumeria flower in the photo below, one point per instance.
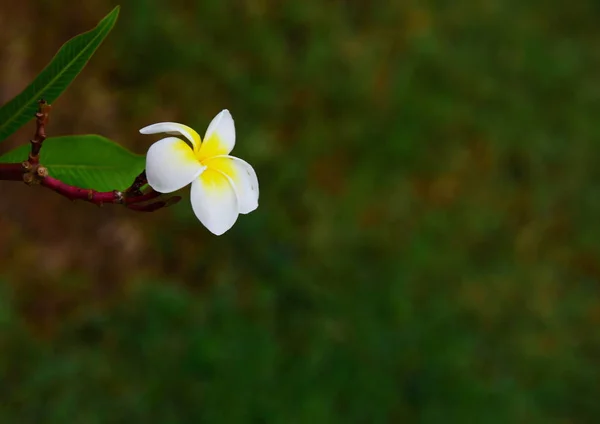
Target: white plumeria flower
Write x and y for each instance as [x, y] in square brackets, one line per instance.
[223, 186]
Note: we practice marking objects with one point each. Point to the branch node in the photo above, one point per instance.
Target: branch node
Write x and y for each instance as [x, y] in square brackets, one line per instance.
[42, 171]
[119, 197]
[28, 178]
[31, 172]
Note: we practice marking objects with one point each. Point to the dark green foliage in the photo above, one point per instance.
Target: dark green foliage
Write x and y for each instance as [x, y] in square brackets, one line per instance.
[426, 245]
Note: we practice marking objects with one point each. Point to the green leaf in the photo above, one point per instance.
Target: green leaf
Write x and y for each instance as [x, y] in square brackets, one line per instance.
[56, 77]
[86, 161]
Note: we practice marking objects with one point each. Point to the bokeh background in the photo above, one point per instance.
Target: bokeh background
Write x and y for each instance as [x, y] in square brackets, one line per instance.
[426, 246]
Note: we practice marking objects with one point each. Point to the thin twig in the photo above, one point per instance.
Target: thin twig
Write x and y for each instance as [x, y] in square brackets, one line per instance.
[101, 197]
[32, 172]
[138, 183]
[12, 171]
[41, 121]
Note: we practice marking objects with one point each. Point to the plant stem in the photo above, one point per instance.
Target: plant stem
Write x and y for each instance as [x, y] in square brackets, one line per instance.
[32, 172]
[93, 196]
[41, 121]
[77, 193]
[138, 183]
[11, 171]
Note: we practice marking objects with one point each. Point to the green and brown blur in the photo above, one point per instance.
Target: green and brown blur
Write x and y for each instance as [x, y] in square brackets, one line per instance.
[426, 247]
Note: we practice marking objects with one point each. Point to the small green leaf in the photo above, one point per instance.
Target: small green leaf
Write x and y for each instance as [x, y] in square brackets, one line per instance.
[86, 161]
[56, 77]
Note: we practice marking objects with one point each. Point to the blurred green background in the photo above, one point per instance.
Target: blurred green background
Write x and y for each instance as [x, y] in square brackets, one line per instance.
[426, 246]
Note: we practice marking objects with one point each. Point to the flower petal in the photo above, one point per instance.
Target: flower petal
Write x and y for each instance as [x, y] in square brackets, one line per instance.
[171, 165]
[214, 201]
[220, 136]
[243, 176]
[174, 128]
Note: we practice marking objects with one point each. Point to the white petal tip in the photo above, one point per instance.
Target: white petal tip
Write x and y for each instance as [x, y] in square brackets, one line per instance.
[148, 129]
[224, 113]
[249, 208]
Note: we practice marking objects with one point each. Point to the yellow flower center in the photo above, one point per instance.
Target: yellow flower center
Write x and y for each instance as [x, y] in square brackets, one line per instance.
[210, 148]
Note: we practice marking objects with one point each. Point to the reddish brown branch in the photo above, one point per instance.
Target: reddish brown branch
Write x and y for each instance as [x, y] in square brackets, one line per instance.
[12, 171]
[138, 183]
[77, 193]
[41, 121]
[129, 199]
[32, 172]
[137, 203]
